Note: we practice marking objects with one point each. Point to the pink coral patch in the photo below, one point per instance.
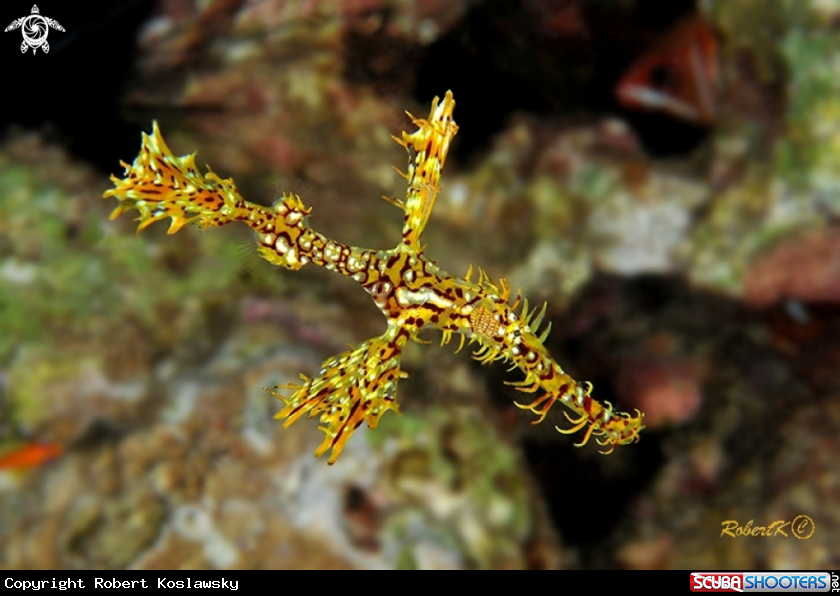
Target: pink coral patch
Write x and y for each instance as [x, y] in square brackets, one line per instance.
[807, 269]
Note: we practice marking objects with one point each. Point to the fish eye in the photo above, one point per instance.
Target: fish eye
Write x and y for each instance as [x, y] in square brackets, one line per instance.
[663, 77]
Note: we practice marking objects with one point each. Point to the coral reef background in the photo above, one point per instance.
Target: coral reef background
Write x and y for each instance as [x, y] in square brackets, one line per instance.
[691, 266]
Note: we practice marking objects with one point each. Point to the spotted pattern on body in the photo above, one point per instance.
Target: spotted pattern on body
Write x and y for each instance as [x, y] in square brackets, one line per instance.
[360, 384]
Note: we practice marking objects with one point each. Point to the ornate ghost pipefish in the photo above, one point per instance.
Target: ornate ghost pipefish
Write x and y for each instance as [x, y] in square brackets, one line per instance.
[412, 292]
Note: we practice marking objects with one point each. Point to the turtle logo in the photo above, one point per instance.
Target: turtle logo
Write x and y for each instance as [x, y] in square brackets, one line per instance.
[35, 29]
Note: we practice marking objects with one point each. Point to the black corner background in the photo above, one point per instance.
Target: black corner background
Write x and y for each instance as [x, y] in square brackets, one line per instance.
[71, 94]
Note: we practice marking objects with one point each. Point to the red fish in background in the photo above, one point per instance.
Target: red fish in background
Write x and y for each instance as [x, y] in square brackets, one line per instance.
[678, 76]
[30, 456]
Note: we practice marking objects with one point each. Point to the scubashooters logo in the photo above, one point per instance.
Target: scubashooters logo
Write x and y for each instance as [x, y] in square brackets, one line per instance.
[173, 584]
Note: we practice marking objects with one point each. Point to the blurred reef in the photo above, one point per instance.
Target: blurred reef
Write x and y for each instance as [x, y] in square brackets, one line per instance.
[691, 266]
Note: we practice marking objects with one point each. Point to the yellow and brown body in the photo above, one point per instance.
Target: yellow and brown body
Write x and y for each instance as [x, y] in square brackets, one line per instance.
[413, 293]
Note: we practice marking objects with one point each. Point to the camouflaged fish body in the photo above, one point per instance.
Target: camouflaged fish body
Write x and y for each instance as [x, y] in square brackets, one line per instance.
[411, 291]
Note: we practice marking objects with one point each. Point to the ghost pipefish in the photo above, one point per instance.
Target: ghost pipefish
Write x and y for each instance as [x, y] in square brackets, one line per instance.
[360, 384]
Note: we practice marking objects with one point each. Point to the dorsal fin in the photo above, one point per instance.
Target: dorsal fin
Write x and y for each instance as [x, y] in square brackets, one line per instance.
[427, 148]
